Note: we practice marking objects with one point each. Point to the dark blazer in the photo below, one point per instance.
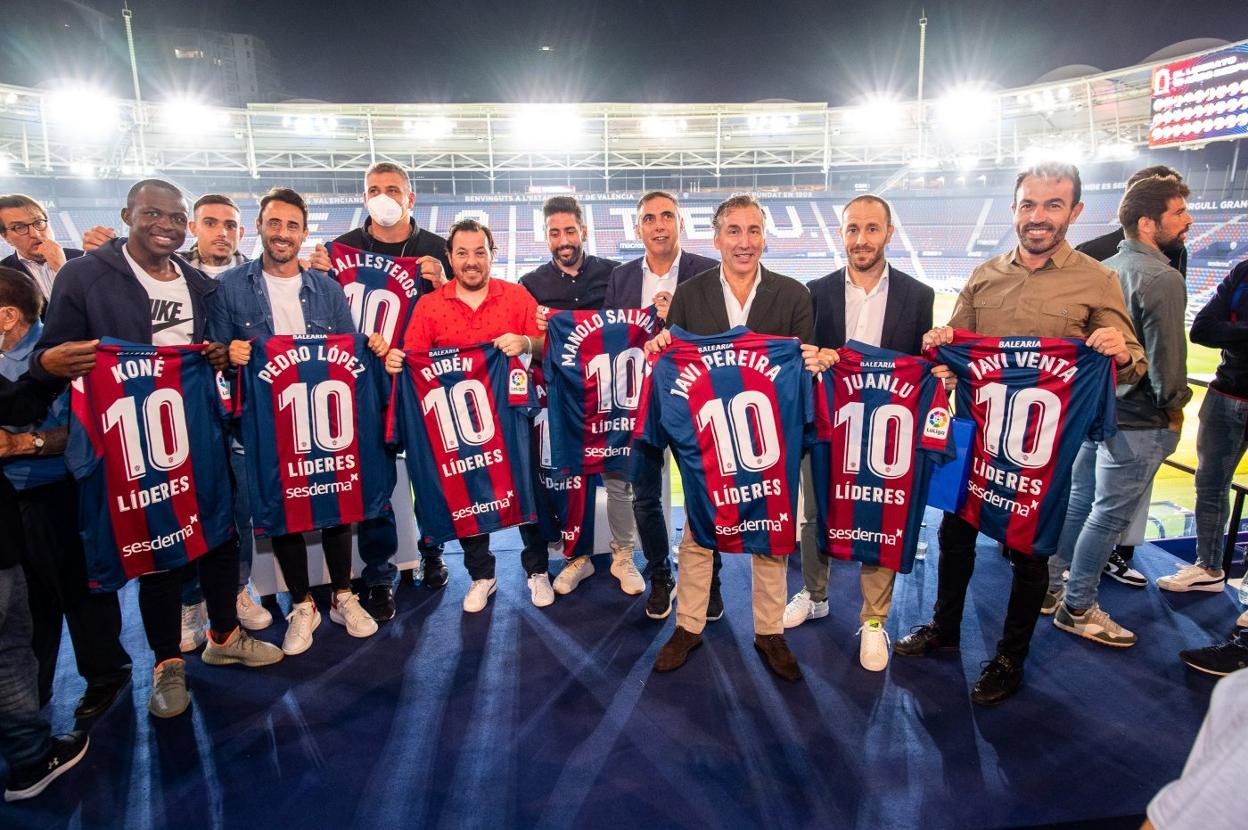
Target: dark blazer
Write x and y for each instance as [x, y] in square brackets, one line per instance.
[12, 260]
[624, 284]
[97, 295]
[781, 306]
[907, 315]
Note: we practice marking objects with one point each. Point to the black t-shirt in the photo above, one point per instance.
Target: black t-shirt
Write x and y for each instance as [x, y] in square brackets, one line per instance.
[586, 291]
[420, 243]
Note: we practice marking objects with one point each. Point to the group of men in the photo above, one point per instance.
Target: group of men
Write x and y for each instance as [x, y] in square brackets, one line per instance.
[139, 288]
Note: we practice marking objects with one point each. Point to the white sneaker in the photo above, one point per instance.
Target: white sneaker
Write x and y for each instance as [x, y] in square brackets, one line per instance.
[540, 591]
[1193, 578]
[625, 570]
[302, 620]
[801, 608]
[345, 609]
[1095, 625]
[873, 645]
[251, 615]
[479, 594]
[194, 620]
[574, 570]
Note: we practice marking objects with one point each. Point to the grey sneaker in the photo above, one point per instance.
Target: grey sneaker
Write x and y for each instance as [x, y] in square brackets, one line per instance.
[1052, 599]
[169, 696]
[241, 647]
[1095, 625]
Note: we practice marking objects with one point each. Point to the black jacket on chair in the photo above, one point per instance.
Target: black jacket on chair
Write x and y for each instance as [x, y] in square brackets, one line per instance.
[907, 315]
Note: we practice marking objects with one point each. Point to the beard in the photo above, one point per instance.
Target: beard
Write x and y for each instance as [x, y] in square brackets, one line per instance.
[279, 258]
[1057, 233]
[472, 280]
[566, 259]
[877, 255]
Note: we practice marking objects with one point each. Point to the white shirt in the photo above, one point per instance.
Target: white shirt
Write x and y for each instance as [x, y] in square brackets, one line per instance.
[864, 310]
[652, 283]
[214, 271]
[43, 276]
[737, 313]
[173, 316]
[286, 303]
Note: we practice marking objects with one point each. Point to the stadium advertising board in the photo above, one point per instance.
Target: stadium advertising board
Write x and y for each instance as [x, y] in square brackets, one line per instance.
[1201, 98]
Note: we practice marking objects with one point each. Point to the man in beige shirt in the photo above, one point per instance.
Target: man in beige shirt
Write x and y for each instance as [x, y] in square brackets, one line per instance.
[1041, 288]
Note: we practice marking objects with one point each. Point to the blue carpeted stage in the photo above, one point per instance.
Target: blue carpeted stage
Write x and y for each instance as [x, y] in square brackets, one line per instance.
[552, 718]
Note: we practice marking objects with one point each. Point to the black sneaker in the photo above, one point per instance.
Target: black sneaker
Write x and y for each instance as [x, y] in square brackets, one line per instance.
[1001, 678]
[436, 575]
[1121, 570]
[923, 639]
[1219, 660]
[659, 603]
[32, 779]
[379, 603]
[715, 607]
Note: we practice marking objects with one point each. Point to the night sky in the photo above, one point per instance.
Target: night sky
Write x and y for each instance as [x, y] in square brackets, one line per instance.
[640, 50]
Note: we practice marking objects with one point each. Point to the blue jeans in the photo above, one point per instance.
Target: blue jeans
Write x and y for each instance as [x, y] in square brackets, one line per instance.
[24, 734]
[1220, 444]
[1125, 464]
[192, 594]
[1082, 491]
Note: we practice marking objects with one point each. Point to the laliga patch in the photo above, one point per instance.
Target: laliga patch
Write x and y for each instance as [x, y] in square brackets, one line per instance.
[937, 424]
[519, 383]
[223, 389]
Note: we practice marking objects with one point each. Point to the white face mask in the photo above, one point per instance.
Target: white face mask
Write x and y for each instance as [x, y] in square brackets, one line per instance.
[384, 210]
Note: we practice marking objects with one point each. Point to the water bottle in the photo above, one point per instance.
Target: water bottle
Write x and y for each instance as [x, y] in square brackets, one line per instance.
[920, 550]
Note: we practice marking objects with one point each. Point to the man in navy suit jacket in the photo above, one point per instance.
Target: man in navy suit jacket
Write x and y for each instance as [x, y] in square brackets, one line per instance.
[872, 302]
[635, 284]
[25, 226]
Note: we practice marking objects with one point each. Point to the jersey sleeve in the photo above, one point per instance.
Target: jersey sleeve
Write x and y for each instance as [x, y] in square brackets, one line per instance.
[84, 449]
[1105, 424]
[807, 388]
[521, 391]
[649, 428]
[936, 437]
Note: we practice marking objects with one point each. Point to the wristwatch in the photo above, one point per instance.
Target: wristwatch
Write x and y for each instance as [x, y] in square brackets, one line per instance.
[37, 441]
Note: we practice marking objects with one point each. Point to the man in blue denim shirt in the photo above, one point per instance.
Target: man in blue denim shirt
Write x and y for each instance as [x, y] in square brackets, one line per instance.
[276, 295]
[1153, 213]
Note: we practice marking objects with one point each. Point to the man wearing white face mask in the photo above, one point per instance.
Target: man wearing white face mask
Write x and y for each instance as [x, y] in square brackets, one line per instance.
[390, 229]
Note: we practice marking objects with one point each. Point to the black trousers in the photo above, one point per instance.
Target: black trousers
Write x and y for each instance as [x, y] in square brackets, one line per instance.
[55, 566]
[480, 562]
[957, 563]
[160, 599]
[292, 556]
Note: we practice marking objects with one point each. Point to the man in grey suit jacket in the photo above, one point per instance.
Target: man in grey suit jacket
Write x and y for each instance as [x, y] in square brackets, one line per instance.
[653, 279]
[872, 302]
[739, 292]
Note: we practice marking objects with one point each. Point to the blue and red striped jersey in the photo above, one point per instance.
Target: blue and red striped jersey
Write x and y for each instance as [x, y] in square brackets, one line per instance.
[381, 290]
[1034, 400]
[594, 365]
[565, 499]
[147, 445]
[881, 424]
[311, 409]
[463, 415]
[737, 409]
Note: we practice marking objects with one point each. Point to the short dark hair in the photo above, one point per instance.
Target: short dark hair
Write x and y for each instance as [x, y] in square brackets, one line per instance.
[1154, 170]
[159, 184]
[214, 199]
[19, 291]
[286, 196]
[563, 204]
[470, 225]
[1148, 198]
[19, 200]
[1051, 170]
[656, 194]
[736, 200]
[879, 200]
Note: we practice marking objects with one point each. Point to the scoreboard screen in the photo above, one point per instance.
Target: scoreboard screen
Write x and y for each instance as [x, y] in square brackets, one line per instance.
[1200, 99]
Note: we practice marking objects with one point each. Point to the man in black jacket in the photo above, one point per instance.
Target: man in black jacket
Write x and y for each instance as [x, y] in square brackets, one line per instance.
[24, 224]
[390, 229]
[139, 289]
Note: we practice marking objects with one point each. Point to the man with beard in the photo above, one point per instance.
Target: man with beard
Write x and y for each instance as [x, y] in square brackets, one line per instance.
[138, 289]
[474, 308]
[24, 225]
[872, 302]
[1040, 288]
[1119, 470]
[575, 280]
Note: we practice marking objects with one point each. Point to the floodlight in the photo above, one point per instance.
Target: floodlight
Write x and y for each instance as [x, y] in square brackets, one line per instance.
[967, 163]
[878, 113]
[85, 110]
[1120, 151]
[5, 166]
[777, 124]
[547, 125]
[966, 109]
[10, 99]
[429, 129]
[83, 169]
[1070, 152]
[655, 127]
[185, 115]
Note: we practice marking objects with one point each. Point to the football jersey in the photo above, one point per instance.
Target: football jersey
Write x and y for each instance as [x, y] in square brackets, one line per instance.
[381, 290]
[463, 417]
[147, 446]
[565, 500]
[881, 424]
[311, 419]
[594, 365]
[1034, 400]
[735, 408]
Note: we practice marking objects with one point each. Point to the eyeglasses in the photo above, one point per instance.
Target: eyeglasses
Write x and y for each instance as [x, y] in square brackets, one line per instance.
[23, 228]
